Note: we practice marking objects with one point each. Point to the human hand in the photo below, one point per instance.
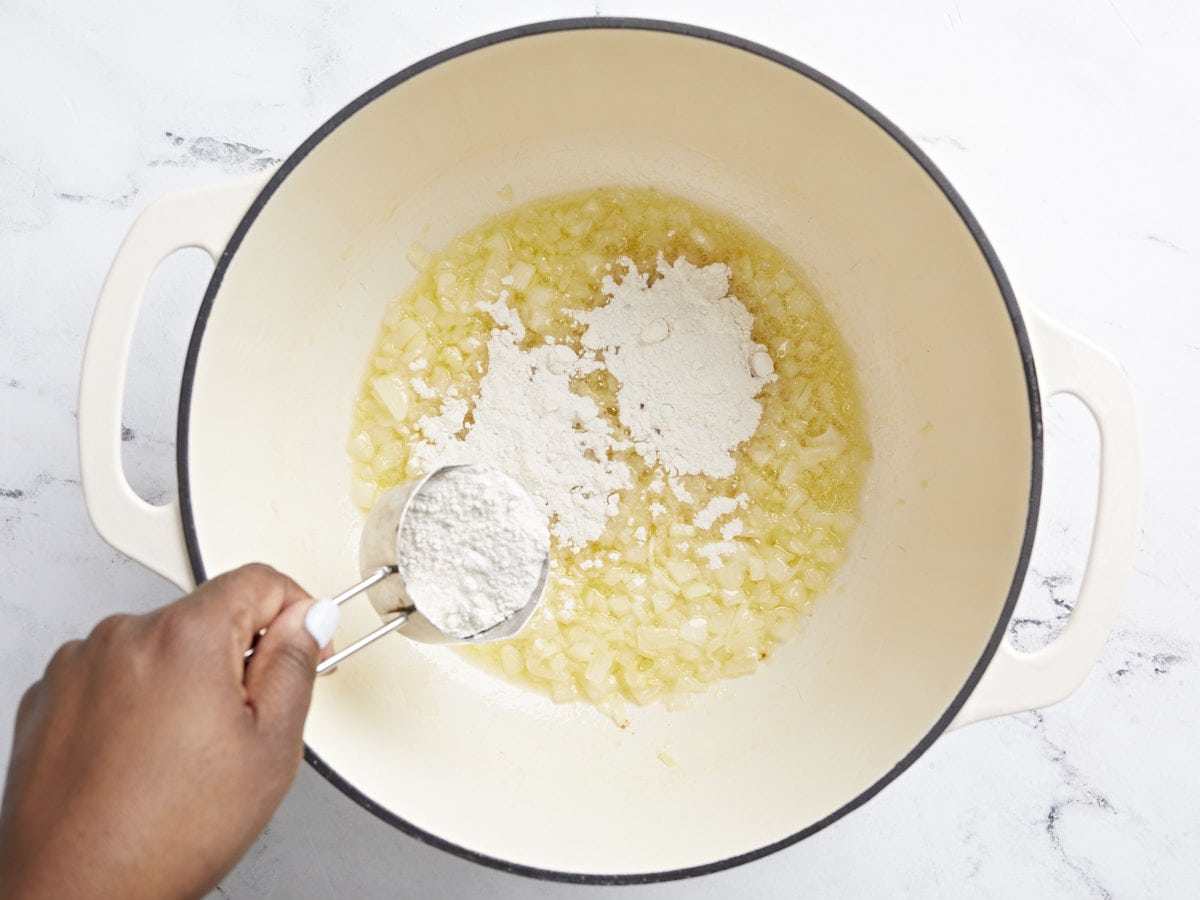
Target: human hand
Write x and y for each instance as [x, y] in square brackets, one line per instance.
[151, 755]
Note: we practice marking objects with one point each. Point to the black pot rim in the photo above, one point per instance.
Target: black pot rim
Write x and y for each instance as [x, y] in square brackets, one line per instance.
[985, 247]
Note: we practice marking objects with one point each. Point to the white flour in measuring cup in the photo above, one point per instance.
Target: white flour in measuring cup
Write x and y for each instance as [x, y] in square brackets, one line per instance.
[471, 549]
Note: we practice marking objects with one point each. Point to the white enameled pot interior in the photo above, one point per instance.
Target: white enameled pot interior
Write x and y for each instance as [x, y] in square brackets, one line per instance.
[494, 768]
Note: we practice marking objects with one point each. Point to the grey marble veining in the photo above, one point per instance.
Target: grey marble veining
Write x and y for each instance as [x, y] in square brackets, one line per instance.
[1068, 128]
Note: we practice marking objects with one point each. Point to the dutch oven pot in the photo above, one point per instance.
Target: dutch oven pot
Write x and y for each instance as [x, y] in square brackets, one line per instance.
[908, 643]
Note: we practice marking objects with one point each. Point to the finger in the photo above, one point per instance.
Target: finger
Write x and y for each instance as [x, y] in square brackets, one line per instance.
[63, 658]
[248, 598]
[29, 701]
[279, 677]
[321, 622]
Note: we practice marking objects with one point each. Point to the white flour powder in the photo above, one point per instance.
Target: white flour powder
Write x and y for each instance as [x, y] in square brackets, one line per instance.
[718, 507]
[529, 423]
[471, 549]
[689, 372]
[688, 368]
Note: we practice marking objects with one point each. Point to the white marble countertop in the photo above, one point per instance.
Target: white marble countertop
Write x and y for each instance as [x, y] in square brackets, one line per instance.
[1072, 131]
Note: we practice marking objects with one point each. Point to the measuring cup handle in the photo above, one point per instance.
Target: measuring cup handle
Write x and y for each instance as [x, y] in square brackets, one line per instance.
[370, 581]
[371, 638]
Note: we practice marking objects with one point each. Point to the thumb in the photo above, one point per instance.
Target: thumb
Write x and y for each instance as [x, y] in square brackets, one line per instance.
[279, 677]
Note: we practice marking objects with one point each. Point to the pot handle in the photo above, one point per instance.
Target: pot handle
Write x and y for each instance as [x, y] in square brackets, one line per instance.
[204, 218]
[1016, 681]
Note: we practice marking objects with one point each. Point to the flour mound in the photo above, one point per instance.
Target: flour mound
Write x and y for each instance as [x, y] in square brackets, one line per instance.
[471, 549]
[688, 367]
[528, 423]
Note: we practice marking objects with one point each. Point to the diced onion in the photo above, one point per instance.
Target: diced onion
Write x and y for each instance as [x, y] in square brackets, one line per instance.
[694, 631]
[650, 639]
[393, 393]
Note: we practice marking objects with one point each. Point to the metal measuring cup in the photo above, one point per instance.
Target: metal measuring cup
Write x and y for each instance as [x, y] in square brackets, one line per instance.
[378, 558]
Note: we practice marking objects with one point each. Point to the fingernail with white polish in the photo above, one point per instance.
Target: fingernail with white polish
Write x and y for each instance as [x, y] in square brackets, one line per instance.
[321, 621]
